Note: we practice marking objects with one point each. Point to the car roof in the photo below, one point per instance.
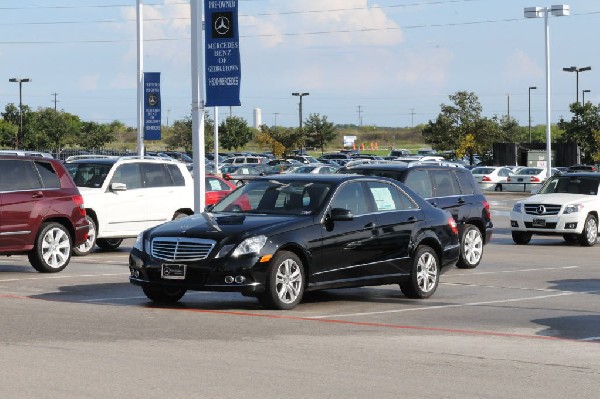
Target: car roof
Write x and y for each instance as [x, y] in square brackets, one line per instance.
[324, 178]
[399, 166]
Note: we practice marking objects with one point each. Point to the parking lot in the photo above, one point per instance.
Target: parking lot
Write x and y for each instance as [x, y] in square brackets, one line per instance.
[525, 323]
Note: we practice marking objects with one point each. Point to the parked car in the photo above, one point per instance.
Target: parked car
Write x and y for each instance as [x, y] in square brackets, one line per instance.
[25, 153]
[217, 188]
[491, 177]
[126, 195]
[399, 153]
[42, 213]
[305, 159]
[582, 168]
[449, 188]
[315, 168]
[278, 237]
[567, 205]
[527, 179]
[243, 160]
[241, 174]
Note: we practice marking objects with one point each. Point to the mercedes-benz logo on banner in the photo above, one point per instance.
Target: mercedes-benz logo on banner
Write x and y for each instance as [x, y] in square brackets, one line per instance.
[222, 25]
[152, 100]
[541, 209]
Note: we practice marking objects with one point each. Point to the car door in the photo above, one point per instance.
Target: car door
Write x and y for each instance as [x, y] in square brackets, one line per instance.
[23, 204]
[160, 192]
[447, 194]
[346, 245]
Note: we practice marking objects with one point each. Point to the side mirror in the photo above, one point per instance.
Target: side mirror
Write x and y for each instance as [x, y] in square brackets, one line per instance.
[118, 187]
[340, 215]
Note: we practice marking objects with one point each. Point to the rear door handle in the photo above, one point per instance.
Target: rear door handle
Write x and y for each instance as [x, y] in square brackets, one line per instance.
[370, 225]
[411, 219]
[38, 194]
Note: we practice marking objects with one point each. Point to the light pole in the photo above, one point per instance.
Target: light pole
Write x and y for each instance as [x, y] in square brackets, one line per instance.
[583, 95]
[577, 70]
[300, 113]
[530, 88]
[539, 12]
[20, 81]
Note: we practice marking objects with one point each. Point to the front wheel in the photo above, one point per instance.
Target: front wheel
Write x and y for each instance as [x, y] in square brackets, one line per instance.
[589, 235]
[285, 282]
[424, 276]
[109, 244]
[52, 250]
[471, 248]
[521, 237]
[85, 248]
[164, 295]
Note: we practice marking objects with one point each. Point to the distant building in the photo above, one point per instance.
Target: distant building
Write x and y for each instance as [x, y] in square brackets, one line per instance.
[257, 118]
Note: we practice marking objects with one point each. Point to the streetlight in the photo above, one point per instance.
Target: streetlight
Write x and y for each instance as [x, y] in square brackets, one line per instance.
[539, 12]
[300, 113]
[577, 70]
[20, 81]
[530, 88]
[583, 95]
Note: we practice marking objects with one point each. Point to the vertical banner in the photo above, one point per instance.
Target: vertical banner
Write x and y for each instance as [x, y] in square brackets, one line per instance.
[222, 53]
[152, 119]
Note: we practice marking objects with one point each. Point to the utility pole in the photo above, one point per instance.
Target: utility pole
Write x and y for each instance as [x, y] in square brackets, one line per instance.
[412, 117]
[55, 100]
[275, 113]
[359, 115]
[168, 112]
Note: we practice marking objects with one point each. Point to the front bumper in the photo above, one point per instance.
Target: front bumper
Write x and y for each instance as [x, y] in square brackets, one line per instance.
[572, 223]
[244, 274]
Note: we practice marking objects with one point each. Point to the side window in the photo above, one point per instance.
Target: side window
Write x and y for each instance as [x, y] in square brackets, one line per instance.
[178, 178]
[18, 175]
[214, 184]
[467, 184]
[48, 174]
[389, 198]
[351, 196]
[130, 174]
[418, 181]
[156, 175]
[444, 183]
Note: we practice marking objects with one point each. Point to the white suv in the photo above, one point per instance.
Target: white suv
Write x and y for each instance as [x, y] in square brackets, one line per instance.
[566, 205]
[126, 195]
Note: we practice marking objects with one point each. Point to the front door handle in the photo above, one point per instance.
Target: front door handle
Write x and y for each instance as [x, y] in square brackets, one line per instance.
[370, 225]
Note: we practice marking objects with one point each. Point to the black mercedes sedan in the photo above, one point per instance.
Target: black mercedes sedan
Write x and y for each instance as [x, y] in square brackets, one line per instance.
[278, 237]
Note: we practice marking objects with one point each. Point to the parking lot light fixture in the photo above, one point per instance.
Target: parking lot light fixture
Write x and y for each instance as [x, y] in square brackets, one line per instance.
[20, 81]
[583, 95]
[543, 12]
[577, 70]
[300, 114]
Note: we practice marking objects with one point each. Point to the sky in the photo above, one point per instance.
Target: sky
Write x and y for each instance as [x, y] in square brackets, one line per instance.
[387, 63]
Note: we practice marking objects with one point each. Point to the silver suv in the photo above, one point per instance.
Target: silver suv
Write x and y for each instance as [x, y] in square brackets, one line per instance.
[126, 195]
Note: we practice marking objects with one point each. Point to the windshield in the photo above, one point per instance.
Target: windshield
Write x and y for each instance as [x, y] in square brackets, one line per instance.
[571, 185]
[88, 174]
[275, 197]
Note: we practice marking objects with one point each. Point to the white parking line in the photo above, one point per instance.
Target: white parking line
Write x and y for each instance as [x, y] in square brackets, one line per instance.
[512, 271]
[449, 306]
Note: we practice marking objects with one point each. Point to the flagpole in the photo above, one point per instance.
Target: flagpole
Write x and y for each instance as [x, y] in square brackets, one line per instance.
[140, 77]
[198, 106]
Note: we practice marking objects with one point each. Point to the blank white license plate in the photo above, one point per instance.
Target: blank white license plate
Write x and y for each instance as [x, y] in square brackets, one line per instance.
[172, 271]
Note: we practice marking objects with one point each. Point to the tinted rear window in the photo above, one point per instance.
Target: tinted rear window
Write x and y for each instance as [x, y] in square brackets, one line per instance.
[48, 174]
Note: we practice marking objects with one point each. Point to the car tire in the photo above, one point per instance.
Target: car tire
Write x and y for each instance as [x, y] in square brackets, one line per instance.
[424, 275]
[109, 244]
[498, 187]
[179, 215]
[285, 282]
[589, 235]
[471, 248]
[164, 294]
[52, 250]
[87, 247]
[521, 237]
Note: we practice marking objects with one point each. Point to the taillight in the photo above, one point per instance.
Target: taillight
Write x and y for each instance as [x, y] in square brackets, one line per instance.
[486, 209]
[486, 178]
[453, 226]
[78, 200]
[508, 179]
[227, 176]
[535, 179]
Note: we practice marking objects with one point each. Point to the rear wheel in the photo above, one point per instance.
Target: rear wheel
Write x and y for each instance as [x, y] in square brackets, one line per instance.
[424, 276]
[471, 248]
[109, 244]
[85, 248]
[179, 215]
[285, 282]
[589, 235]
[521, 237]
[52, 250]
[164, 294]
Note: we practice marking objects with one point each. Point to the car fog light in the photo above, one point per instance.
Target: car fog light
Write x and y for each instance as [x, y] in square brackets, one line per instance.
[571, 226]
[229, 279]
[240, 279]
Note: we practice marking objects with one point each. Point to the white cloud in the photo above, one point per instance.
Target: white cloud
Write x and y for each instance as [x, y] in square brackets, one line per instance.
[89, 82]
[519, 65]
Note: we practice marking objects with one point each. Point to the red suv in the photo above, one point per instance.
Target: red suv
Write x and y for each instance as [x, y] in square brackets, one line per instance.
[41, 212]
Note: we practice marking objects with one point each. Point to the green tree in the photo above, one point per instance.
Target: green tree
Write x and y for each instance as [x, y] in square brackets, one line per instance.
[8, 133]
[584, 130]
[318, 131]
[234, 132]
[181, 134]
[283, 139]
[95, 135]
[51, 129]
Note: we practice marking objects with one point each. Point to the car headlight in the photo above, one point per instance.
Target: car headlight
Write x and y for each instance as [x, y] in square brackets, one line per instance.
[250, 246]
[139, 242]
[573, 208]
[517, 207]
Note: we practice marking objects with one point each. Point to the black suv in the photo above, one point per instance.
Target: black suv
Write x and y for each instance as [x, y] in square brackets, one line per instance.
[445, 187]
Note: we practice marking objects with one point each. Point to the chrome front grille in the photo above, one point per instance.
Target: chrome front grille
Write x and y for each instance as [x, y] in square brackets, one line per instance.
[181, 249]
[541, 209]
